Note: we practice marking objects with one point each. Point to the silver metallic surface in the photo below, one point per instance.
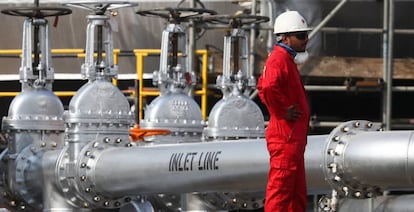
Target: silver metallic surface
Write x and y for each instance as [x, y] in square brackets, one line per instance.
[98, 113]
[35, 109]
[88, 70]
[176, 112]
[53, 200]
[138, 206]
[314, 165]
[27, 70]
[173, 39]
[362, 162]
[99, 116]
[34, 124]
[235, 115]
[233, 118]
[207, 167]
[174, 109]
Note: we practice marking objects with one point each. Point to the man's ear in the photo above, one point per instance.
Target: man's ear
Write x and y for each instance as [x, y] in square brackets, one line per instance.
[285, 39]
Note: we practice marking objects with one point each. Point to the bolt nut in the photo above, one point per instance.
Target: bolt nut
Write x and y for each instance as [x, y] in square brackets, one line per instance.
[357, 124]
[86, 205]
[96, 198]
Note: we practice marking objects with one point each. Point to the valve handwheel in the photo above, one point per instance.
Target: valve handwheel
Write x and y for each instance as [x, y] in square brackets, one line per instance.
[101, 8]
[178, 14]
[37, 12]
[235, 21]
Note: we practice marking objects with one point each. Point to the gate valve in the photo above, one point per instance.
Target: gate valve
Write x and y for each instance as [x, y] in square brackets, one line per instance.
[104, 67]
[236, 73]
[173, 69]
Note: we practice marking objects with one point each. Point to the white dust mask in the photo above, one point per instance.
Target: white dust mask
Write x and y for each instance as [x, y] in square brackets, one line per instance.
[301, 57]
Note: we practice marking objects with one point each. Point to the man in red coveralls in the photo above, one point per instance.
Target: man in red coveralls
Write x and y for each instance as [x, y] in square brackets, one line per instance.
[281, 90]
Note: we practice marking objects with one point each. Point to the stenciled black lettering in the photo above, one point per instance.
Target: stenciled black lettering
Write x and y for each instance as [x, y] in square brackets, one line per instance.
[188, 162]
[216, 158]
[205, 165]
[180, 164]
[200, 167]
[192, 160]
[209, 160]
[174, 160]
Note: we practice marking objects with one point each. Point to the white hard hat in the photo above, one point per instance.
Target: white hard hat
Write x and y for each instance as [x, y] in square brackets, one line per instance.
[290, 21]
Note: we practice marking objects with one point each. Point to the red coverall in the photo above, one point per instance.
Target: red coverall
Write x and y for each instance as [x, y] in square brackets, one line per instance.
[279, 87]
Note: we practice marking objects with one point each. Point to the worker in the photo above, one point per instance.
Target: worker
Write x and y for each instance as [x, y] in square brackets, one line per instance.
[280, 88]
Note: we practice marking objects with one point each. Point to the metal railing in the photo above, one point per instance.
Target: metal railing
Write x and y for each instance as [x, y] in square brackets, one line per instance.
[140, 54]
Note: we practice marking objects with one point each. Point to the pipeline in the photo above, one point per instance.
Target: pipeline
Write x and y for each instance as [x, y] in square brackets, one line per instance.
[365, 167]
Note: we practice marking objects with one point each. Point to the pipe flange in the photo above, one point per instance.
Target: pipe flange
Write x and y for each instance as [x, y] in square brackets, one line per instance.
[85, 173]
[25, 161]
[5, 193]
[334, 170]
[28, 171]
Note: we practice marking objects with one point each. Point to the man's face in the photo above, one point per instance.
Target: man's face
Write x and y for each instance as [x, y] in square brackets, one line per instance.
[297, 40]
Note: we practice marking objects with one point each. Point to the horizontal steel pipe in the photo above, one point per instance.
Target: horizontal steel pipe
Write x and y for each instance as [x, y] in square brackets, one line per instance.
[314, 165]
[361, 161]
[181, 168]
[366, 159]
[211, 166]
[383, 159]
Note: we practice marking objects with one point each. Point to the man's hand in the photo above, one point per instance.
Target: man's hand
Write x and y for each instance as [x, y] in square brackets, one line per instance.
[292, 113]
